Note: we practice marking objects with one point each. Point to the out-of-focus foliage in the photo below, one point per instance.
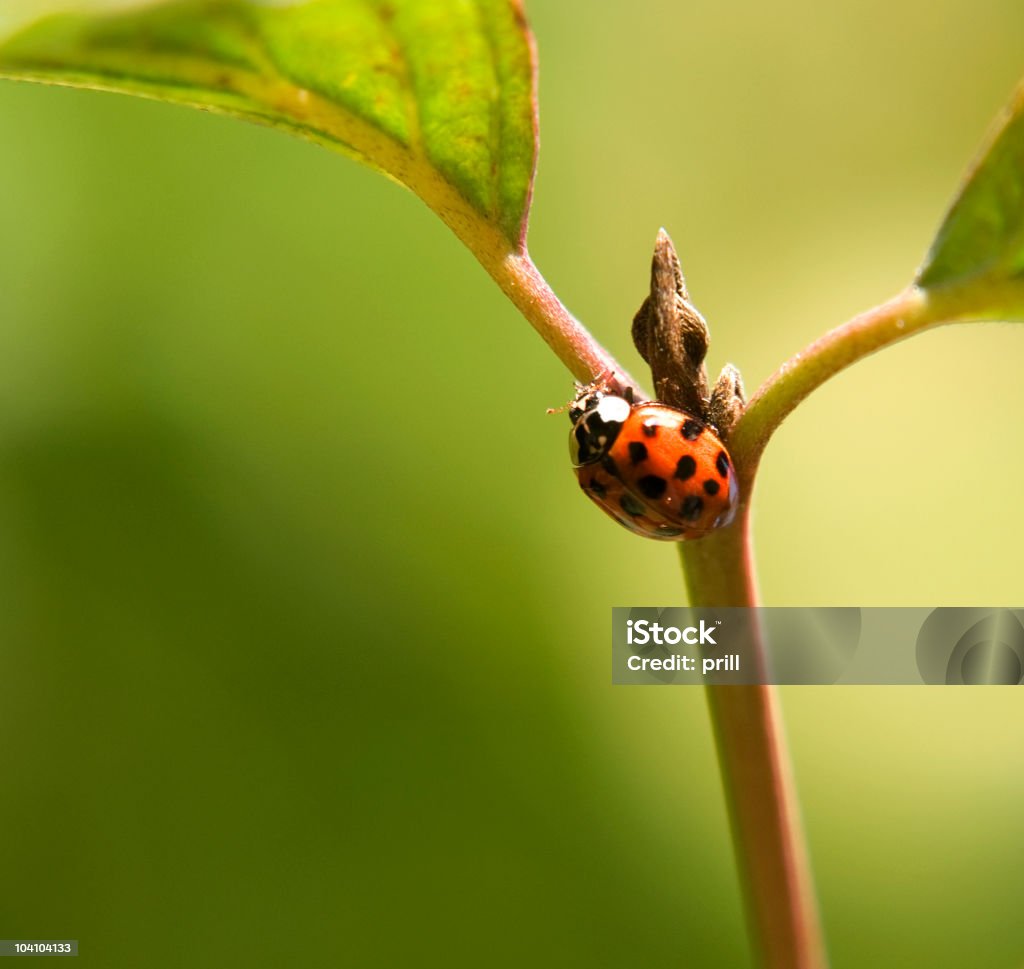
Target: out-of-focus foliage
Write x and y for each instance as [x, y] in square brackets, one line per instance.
[305, 625]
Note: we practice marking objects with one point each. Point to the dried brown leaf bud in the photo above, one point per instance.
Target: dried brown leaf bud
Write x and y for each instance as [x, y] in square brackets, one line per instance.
[671, 335]
[727, 401]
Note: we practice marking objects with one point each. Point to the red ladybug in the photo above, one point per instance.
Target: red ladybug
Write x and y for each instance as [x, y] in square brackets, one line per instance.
[659, 471]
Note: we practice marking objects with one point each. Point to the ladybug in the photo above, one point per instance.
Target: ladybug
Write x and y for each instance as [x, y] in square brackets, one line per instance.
[659, 471]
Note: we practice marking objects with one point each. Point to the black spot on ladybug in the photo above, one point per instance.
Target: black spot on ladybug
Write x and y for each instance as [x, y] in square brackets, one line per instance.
[711, 486]
[597, 488]
[722, 463]
[650, 430]
[637, 452]
[630, 505]
[686, 468]
[692, 507]
[691, 430]
[651, 486]
[608, 463]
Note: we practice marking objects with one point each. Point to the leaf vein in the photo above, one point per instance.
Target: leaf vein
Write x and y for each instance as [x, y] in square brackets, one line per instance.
[385, 15]
[496, 106]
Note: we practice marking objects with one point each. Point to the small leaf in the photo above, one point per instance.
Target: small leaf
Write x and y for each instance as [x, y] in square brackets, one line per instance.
[438, 94]
[979, 249]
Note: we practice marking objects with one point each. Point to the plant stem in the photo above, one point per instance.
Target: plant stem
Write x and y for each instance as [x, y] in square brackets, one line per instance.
[752, 750]
[754, 761]
[585, 358]
[719, 570]
[905, 314]
[767, 830]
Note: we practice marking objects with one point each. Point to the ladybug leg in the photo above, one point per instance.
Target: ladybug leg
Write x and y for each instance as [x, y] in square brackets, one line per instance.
[599, 385]
[581, 391]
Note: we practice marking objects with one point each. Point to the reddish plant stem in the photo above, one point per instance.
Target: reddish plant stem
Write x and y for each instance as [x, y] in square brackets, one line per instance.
[754, 761]
[585, 358]
[719, 571]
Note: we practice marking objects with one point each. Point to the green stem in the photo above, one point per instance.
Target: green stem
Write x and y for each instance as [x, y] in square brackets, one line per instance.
[902, 316]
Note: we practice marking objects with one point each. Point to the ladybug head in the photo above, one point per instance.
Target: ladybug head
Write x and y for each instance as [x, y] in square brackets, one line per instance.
[588, 396]
[597, 419]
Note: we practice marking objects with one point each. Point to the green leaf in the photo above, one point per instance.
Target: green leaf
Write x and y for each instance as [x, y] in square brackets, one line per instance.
[438, 94]
[979, 250]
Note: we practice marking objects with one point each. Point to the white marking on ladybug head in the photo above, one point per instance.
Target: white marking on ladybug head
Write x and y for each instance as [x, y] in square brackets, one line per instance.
[613, 410]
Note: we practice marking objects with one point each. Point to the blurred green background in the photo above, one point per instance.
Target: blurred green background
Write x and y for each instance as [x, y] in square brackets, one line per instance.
[304, 632]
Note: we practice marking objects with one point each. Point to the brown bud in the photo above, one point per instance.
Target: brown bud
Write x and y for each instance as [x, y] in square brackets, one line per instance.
[727, 400]
[671, 335]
